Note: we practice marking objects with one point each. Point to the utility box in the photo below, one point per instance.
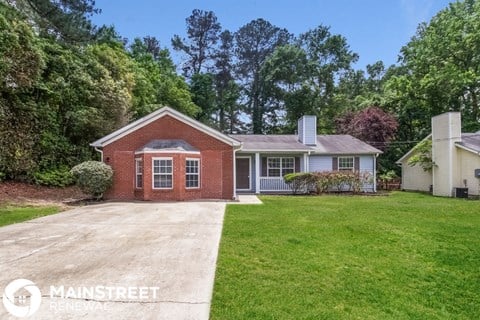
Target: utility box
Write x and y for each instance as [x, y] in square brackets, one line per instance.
[461, 193]
[477, 173]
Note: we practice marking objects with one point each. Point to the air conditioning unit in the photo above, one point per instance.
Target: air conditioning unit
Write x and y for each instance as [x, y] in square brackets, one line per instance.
[461, 193]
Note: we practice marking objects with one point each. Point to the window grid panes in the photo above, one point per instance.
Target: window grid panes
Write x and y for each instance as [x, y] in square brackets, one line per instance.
[192, 173]
[138, 173]
[162, 173]
[278, 167]
[345, 164]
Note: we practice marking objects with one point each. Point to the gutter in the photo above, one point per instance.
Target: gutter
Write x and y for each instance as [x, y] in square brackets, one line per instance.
[239, 147]
[101, 153]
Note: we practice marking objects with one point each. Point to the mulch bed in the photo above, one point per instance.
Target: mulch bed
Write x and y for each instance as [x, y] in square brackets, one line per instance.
[18, 192]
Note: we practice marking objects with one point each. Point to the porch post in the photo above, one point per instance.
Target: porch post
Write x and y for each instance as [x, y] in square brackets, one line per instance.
[305, 162]
[257, 172]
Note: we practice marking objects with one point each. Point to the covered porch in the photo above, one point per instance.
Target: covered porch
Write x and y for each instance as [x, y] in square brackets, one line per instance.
[263, 172]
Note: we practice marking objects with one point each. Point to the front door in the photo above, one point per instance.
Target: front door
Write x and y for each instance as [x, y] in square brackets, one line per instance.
[243, 173]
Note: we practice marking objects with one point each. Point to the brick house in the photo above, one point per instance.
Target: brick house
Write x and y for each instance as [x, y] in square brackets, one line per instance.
[169, 156]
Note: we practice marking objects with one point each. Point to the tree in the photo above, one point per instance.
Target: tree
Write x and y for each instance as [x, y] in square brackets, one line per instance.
[203, 95]
[202, 33]
[285, 73]
[227, 91]
[68, 20]
[330, 57]
[156, 82]
[255, 41]
[441, 68]
[372, 125]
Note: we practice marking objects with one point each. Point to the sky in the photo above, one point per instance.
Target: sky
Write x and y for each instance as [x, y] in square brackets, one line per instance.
[375, 29]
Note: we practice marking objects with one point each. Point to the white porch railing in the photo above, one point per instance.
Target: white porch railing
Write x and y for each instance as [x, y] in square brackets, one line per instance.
[271, 184]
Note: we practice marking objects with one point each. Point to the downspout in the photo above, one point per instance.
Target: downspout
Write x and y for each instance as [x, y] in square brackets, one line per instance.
[235, 171]
[101, 153]
[375, 173]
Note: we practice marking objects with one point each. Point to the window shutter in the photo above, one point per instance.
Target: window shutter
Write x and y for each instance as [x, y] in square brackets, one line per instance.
[264, 167]
[335, 164]
[356, 164]
[297, 164]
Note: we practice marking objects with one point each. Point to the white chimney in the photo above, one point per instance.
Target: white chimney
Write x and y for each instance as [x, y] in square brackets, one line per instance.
[446, 130]
[307, 130]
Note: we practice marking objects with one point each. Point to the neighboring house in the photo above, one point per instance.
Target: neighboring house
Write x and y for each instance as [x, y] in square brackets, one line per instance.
[456, 159]
[169, 156]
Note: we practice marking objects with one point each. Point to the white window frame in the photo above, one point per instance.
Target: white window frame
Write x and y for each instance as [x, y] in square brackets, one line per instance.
[197, 174]
[281, 168]
[138, 173]
[352, 168]
[161, 174]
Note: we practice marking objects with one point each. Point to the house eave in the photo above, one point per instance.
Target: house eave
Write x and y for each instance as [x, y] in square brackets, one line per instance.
[467, 149]
[122, 132]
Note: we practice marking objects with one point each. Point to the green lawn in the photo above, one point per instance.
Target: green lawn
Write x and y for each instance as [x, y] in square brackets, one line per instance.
[12, 214]
[403, 256]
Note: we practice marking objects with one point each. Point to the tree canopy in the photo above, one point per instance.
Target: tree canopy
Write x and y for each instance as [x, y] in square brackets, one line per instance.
[66, 82]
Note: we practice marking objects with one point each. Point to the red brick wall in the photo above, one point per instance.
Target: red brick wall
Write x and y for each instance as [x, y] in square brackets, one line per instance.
[216, 161]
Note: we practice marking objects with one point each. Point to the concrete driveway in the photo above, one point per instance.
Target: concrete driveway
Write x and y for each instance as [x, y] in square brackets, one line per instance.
[116, 261]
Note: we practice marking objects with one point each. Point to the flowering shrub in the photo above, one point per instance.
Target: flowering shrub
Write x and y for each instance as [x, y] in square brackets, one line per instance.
[326, 181]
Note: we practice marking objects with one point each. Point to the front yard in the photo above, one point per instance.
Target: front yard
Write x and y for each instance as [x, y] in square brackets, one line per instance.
[18, 213]
[403, 256]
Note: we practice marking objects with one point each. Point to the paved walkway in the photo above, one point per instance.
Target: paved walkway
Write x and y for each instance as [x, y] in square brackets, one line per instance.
[247, 199]
[169, 246]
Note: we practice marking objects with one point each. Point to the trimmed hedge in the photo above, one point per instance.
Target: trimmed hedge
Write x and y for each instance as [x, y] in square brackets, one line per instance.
[93, 177]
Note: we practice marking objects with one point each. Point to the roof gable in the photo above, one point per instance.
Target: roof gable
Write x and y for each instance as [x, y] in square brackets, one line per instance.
[158, 114]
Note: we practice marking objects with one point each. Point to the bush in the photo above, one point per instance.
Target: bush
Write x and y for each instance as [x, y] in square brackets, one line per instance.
[340, 181]
[60, 177]
[93, 177]
[300, 181]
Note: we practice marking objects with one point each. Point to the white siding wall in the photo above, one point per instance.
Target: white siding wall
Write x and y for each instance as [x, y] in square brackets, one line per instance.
[310, 127]
[320, 163]
[468, 163]
[415, 178]
[367, 165]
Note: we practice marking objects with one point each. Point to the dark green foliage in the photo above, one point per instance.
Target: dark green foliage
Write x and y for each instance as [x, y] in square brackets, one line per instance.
[300, 181]
[54, 177]
[66, 20]
[93, 177]
[57, 97]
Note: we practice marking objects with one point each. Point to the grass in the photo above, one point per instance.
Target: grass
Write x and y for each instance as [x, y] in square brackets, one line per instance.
[403, 256]
[12, 214]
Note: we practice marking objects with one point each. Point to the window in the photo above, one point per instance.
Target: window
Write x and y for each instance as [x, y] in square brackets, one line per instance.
[138, 173]
[192, 173]
[278, 167]
[162, 173]
[345, 163]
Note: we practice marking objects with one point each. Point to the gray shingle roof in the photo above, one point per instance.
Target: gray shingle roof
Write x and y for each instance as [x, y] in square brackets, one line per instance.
[173, 145]
[326, 144]
[471, 141]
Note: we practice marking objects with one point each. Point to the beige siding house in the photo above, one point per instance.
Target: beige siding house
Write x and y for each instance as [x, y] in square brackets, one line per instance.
[456, 158]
